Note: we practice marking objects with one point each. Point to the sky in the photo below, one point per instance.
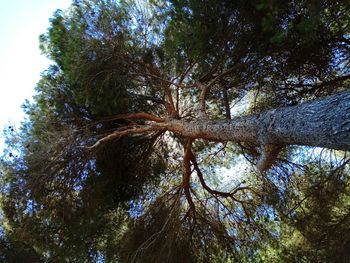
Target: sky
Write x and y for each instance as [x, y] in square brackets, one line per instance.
[21, 23]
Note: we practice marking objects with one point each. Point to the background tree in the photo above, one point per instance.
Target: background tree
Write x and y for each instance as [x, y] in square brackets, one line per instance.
[120, 157]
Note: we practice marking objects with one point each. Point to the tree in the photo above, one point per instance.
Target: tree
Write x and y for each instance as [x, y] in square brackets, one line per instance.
[119, 159]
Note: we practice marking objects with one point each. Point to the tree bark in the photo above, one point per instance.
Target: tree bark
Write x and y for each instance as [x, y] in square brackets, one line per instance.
[323, 123]
[226, 103]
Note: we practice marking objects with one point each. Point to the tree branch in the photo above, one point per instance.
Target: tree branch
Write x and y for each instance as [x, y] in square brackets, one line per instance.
[154, 73]
[187, 174]
[119, 134]
[268, 156]
[226, 103]
[323, 123]
[212, 191]
[139, 115]
[202, 97]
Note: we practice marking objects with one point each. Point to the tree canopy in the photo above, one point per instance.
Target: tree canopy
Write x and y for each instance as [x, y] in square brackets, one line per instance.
[184, 131]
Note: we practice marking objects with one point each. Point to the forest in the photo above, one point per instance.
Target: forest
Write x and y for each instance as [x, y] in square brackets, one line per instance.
[181, 131]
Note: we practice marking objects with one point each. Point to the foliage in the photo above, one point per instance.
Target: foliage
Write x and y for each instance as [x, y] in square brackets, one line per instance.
[84, 179]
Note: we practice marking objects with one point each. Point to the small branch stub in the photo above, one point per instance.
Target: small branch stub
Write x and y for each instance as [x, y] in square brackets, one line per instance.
[268, 155]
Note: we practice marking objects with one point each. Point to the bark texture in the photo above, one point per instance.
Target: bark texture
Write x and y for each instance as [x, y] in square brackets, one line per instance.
[323, 123]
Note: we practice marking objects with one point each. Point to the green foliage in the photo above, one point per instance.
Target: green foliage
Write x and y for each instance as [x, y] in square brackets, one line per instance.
[124, 201]
[314, 214]
[12, 252]
[90, 63]
[73, 196]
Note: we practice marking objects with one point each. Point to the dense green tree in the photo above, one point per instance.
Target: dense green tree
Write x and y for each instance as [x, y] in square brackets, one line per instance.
[120, 158]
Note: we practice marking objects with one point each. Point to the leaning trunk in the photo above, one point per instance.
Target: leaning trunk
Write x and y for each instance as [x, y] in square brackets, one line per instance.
[323, 123]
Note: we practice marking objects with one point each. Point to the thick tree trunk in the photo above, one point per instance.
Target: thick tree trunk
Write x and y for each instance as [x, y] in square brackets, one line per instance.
[323, 123]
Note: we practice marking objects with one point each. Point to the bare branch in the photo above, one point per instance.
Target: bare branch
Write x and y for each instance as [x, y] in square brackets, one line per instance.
[185, 72]
[205, 88]
[181, 79]
[226, 103]
[119, 134]
[202, 97]
[139, 115]
[224, 74]
[166, 84]
[310, 88]
[187, 174]
[212, 191]
[147, 243]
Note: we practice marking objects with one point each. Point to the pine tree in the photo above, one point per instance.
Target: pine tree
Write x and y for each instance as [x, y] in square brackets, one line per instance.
[120, 157]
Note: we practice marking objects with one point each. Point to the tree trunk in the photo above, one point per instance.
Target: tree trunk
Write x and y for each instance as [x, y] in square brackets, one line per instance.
[323, 123]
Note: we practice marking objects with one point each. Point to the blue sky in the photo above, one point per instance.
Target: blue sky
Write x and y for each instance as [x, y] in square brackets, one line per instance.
[21, 23]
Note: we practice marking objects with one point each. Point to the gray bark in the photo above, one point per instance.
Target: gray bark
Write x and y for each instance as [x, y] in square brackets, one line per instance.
[323, 123]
